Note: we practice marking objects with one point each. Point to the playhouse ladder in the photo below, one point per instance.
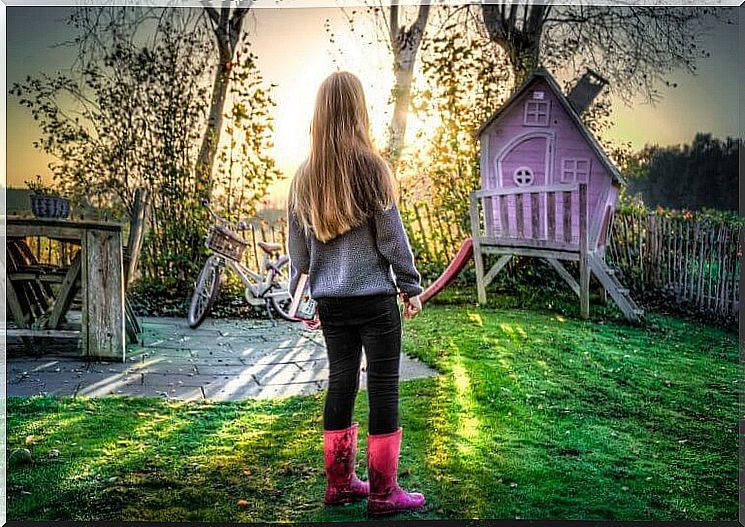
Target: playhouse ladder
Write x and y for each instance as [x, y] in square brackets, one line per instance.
[618, 292]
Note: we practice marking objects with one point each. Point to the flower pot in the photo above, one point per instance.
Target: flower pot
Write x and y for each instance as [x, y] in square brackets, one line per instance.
[50, 206]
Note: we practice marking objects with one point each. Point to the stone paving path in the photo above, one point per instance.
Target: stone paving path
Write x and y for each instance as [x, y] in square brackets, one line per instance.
[221, 360]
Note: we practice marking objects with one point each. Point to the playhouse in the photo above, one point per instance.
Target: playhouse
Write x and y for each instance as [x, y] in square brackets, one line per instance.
[548, 190]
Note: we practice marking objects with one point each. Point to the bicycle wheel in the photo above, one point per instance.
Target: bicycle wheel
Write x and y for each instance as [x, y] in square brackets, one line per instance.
[280, 291]
[205, 292]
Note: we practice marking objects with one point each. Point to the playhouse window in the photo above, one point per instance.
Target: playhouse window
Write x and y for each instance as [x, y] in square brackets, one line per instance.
[575, 170]
[536, 113]
[523, 177]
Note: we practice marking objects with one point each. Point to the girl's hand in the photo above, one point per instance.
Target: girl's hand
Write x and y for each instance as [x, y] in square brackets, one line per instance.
[412, 306]
[312, 324]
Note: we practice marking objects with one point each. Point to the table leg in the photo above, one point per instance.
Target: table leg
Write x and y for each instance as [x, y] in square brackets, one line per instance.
[103, 295]
[66, 293]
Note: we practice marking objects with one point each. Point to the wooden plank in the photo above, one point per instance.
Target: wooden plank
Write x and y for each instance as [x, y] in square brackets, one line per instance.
[535, 215]
[255, 247]
[262, 225]
[504, 217]
[57, 232]
[520, 215]
[537, 244]
[526, 251]
[584, 271]
[33, 296]
[551, 216]
[477, 256]
[136, 234]
[489, 219]
[651, 250]
[640, 251]
[723, 272]
[103, 295]
[55, 333]
[13, 221]
[437, 241]
[496, 268]
[568, 278]
[686, 259]
[736, 267]
[700, 285]
[425, 243]
[567, 216]
[710, 256]
[507, 191]
[622, 300]
[598, 218]
[20, 316]
[132, 327]
[66, 294]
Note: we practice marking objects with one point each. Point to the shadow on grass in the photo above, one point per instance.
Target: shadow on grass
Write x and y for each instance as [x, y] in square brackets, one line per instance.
[535, 415]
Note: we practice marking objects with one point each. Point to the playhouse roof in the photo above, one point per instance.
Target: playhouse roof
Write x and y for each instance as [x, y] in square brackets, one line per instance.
[541, 72]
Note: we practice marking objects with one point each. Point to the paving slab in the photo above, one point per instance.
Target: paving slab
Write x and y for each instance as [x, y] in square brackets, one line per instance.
[223, 359]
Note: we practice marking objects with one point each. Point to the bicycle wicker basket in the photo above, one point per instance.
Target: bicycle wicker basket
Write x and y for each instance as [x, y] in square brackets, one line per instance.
[224, 241]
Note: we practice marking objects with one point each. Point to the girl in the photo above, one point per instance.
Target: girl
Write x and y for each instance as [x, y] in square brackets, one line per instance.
[346, 233]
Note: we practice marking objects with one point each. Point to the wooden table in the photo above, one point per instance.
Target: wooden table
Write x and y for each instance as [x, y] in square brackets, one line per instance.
[97, 270]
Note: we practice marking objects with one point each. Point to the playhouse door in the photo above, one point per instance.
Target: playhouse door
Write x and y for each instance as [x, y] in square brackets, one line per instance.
[525, 162]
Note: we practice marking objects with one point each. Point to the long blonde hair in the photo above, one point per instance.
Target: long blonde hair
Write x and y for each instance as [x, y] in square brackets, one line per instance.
[344, 179]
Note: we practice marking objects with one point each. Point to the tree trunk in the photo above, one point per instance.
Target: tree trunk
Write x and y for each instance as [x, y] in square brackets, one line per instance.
[522, 44]
[227, 31]
[211, 137]
[403, 68]
[405, 45]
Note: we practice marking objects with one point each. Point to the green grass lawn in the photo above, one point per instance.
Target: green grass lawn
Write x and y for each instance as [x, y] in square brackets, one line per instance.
[535, 415]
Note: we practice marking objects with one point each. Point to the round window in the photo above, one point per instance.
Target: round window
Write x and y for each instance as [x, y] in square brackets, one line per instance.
[523, 177]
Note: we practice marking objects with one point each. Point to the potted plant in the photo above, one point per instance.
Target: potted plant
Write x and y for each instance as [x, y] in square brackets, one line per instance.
[46, 201]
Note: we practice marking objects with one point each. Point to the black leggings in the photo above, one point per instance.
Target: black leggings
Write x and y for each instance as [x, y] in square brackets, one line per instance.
[350, 324]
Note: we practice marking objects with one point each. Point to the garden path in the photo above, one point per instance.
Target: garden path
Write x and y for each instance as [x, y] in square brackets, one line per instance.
[221, 360]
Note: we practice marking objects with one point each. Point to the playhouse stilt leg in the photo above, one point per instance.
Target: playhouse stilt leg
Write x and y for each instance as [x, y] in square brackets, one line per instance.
[584, 287]
[478, 259]
[584, 269]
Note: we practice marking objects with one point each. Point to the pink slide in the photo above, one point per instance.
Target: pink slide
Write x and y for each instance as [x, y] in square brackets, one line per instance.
[456, 266]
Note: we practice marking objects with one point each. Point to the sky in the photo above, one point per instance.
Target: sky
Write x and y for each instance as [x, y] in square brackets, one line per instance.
[294, 51]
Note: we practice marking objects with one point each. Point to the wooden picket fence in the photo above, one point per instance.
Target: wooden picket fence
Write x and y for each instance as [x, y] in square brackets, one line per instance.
[435, 236]
[693, 261]
[258, 230]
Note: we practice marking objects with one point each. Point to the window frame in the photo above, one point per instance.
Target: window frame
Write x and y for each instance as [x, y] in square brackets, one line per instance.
[537, 112]
[526, 169]
[570, 175]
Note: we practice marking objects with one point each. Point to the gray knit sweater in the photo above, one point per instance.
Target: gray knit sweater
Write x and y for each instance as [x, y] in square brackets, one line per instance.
[356, 263]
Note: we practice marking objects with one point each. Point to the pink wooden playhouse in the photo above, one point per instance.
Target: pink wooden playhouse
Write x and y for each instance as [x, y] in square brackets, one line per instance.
[548, 190]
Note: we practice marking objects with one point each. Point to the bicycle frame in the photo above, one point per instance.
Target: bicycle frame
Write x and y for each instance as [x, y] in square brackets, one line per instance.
[257, 284]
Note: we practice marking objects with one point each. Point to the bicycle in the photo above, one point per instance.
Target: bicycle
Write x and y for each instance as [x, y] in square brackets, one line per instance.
[268, 286]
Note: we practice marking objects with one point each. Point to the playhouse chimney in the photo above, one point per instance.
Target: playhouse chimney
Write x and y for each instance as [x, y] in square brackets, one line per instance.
[585, 91]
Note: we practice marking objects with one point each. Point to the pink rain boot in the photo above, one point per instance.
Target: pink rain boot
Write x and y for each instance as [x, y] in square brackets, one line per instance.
[386, 497]
[339, 449]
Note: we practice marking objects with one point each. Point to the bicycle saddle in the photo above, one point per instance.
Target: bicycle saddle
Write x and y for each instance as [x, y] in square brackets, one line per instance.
[270, 247]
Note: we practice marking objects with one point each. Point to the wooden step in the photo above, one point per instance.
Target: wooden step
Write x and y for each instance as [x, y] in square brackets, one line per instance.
[617, 291]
